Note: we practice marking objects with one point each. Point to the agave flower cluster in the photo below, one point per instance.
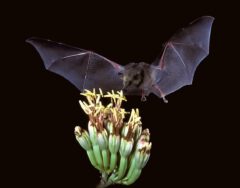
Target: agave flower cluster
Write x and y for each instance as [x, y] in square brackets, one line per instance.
[118, 149]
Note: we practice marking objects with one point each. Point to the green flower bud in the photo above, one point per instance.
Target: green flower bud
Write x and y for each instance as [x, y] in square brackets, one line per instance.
[142, 153]
[83, 138]
[138, 132]
[125, 130]
[110, 127]
[92, 133]
[114, 143]
[146, 156]
[126, 147]
[145, 135]
[102, 139]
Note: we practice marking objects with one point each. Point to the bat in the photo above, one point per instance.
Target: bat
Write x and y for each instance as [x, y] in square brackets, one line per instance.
[175, 68]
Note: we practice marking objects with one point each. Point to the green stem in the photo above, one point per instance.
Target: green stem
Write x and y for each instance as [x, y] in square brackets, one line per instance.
[135, 175]
[105, 182]
[105, 156]
[98, 156]
[113, 161]
[131, 169]
[92, 159]
[122, 168]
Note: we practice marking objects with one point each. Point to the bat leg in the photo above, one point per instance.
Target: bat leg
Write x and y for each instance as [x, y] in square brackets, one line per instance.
[165, 100]
[143, 98]
[162, 95]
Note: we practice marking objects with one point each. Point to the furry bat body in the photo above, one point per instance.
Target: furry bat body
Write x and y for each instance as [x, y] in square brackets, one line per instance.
[174, 69]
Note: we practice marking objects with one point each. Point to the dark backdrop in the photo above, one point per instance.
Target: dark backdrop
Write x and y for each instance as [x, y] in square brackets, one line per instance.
[188, 134]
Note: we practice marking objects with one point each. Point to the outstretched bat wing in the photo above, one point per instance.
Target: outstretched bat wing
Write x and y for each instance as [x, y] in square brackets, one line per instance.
[84, 69]
[181, 56]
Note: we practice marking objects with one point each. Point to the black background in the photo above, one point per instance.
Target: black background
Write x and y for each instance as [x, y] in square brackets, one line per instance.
[189, 134]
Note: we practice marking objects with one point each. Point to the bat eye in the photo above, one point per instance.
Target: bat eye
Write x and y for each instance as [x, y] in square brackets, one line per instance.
[136, 76]
[120, 73]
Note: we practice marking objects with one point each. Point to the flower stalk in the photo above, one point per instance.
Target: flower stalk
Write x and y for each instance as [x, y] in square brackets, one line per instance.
[118, 149]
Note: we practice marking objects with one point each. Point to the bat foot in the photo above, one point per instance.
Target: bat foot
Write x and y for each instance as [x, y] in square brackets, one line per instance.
[165, 100]
[143, 98]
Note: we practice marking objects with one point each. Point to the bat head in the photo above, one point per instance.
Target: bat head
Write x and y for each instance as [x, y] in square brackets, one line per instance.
[133, 77]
